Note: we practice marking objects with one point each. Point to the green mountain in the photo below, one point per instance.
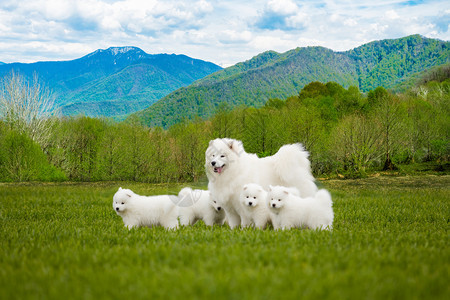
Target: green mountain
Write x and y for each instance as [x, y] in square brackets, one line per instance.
[129, 90]
[387, 63]
[115, 81]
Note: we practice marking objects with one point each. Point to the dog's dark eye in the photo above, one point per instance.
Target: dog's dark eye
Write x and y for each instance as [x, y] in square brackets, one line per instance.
[279, 199]
[214, 201]
[222, 156]
[247, 197]
[123, 203]
[254, 197]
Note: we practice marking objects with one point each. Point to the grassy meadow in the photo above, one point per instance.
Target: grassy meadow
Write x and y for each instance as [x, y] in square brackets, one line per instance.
[64, 241]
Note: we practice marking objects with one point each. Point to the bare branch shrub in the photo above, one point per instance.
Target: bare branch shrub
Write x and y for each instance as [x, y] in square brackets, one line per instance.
[27, 106]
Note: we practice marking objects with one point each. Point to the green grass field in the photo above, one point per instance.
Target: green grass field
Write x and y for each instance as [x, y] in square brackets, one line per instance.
[64, 241]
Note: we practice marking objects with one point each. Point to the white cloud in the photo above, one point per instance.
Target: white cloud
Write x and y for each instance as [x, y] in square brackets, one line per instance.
[274, 41]
[233, 36]
[203, 6]
[110, 23]
[300, 19]
[392, 15]
[350, 22]
[282, 7]
[57, 9]
[193, 36]
[224, 32]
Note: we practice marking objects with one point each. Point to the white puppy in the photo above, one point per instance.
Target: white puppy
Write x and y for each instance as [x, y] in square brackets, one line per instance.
[289, 210]
[137, 210]
[256, 208]
[229, 167]
[198, 205]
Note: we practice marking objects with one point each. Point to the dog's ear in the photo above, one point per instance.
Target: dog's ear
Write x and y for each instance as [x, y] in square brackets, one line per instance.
[286, 192]
[236, 146]
[270, 188]
[129, 195]
[245, 187]
[120, 188]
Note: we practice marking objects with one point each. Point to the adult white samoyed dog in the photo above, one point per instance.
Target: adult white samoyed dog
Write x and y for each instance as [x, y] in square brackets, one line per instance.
[289, 210]
[137, 210]
[229, 167]
[197, 205]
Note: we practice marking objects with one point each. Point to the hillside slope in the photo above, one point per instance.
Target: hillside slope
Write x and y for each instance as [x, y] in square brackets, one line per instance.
[95, 84]
[385, 63]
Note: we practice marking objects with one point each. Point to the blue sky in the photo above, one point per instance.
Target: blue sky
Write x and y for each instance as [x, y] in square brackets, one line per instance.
[220, 31]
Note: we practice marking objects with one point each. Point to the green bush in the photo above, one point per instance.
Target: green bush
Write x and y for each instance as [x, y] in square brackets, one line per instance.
[21, 159]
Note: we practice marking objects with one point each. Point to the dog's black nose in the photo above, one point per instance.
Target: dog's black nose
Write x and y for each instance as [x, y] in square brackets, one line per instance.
[117, 208]
[250, 203]
[273, 205]
[213, 163]
[219, 208]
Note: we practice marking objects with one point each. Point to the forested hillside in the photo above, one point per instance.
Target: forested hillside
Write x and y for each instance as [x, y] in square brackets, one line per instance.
[115, 81]
[387, 63]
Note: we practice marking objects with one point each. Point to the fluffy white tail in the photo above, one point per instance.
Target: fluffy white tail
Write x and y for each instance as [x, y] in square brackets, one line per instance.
[292, 165]
[185, 192]
[323, 197]
[295, 153]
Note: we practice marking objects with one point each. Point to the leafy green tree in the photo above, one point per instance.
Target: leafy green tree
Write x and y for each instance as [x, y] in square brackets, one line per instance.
[79, 138]
[256, 130]
[375, 97]
[304, 125]
[313, 90]
[223, 124]
[328, 111]
[162, 156]
[430, 110]
[390, 113]
[138, 149]
[112, 161]
[277, 135]
[191, 142]
[417, 122]
[350, 101]
[356, 144]
[275, 103]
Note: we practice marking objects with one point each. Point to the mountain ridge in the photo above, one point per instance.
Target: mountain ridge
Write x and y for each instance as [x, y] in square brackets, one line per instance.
[386, 63]
[106, 75]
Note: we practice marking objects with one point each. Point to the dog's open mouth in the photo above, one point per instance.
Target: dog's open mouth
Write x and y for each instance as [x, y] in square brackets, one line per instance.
[218, 169]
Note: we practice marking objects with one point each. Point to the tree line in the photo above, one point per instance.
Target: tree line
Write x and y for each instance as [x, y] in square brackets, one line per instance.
[345, 131]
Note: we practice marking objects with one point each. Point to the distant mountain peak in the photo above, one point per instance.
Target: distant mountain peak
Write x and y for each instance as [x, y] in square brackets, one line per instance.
[114, 51]
[122, 50]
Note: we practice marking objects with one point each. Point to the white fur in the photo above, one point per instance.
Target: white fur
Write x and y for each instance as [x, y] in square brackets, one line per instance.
[198, 205]
[256, 209]
[289, 210]
[137, 210]
[229, 167]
